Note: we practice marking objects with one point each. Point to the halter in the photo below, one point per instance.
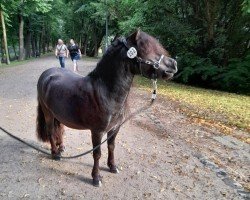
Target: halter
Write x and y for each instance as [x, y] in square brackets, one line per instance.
[155, 64]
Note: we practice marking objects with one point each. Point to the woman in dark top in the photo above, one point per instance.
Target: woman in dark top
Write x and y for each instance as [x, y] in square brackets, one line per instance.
[75, 54]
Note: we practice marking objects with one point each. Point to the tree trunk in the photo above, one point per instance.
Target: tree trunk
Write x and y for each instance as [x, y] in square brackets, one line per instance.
[48, 39]
[1, 47]
[84, 44]
[21, 38]
[42, 39]
[33, 46]
[36, 38]
[5, 37]
[28, 41]
[95, 45]
[14, 49]
[80, 42]
[85, 49]
[40, 43]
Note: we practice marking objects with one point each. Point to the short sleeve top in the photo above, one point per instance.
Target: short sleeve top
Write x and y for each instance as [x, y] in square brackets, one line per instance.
[61, 49]
[73, 49]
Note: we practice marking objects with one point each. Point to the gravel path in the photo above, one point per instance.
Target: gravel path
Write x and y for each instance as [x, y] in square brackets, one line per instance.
[161, 153]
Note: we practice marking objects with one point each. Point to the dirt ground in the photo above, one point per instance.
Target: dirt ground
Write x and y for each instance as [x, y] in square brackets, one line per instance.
[161, 153]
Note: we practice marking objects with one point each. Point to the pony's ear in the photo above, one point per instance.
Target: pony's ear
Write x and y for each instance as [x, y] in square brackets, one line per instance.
[134, 36]
[116, 37]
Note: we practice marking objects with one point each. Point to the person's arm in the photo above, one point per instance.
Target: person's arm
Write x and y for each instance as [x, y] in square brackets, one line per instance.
[56, 51]
[79, 51]
[67, 51]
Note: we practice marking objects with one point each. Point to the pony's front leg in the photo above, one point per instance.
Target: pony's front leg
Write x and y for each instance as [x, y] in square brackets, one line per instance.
[111, 147]
[96, 140]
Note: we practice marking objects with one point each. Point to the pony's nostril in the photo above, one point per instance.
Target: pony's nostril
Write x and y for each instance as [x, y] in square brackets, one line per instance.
[168, 71]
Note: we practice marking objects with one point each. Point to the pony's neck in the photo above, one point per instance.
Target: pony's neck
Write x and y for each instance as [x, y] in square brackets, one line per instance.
[115, 74]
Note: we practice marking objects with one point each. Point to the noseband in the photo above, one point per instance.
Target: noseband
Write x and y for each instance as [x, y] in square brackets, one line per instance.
[154, 64]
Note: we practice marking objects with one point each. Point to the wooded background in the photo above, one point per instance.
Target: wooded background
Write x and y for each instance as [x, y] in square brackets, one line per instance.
[209, 38]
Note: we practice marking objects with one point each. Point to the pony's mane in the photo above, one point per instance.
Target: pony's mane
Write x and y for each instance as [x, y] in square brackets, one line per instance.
[114, 63]
[112, 67]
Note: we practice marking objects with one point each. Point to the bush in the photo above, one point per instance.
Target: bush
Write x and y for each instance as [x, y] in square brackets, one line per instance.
[196, 70]
[199, 71]
[235, 77]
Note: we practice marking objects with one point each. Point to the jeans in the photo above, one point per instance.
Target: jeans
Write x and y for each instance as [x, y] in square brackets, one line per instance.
[62, 61]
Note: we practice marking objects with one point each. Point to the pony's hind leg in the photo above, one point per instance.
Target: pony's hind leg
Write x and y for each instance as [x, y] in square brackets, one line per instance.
[52, 137]
[96, 140]
[111, 146]
[47, 127]
[59, 131]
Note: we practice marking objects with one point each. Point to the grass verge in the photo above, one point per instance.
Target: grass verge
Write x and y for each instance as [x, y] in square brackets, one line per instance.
[206, 106]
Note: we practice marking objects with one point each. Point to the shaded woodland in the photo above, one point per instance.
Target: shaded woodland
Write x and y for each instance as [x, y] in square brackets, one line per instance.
[209, 38]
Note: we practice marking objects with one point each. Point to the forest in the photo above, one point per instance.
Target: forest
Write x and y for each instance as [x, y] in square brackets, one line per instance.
[210, 39]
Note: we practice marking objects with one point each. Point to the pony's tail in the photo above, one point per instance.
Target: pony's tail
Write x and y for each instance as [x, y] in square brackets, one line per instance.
[41, 129]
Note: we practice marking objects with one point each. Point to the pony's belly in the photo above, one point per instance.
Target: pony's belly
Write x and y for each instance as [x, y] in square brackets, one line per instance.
[75, 126]
[72, 123]
[83, 121]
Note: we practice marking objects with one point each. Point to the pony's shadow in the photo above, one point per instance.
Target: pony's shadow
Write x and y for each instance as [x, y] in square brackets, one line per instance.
[102, 168]
[81, 178]
[66, 172]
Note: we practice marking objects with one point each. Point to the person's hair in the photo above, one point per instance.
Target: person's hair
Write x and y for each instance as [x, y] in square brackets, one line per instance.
[60, 40]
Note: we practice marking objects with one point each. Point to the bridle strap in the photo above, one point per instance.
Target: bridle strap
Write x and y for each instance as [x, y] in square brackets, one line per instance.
[155, 64]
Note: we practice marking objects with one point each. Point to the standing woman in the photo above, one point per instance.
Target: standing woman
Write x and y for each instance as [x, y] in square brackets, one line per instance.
[75, 54]
[61, 52]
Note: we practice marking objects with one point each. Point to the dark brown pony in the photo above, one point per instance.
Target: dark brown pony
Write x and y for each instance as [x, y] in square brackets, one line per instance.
[98, 101]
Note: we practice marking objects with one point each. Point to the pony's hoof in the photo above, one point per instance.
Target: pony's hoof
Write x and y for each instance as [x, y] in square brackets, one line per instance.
[114, 169]
[56, 156]
[97, 183]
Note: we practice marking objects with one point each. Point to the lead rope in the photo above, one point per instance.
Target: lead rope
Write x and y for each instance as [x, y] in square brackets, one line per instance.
[144, 108]
[154, 82]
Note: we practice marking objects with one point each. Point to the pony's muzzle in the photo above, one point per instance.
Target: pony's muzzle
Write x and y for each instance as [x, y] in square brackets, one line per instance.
[171, 66]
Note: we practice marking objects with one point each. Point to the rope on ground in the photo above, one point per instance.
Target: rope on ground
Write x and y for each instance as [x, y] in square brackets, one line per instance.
[144, 108]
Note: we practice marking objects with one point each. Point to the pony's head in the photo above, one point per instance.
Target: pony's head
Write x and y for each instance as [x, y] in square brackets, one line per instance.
[142, 54]
[153, 60]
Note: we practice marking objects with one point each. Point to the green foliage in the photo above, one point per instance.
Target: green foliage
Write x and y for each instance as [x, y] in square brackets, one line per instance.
[204, 35]
[26, 8]
[246, 6]
[201, 72]
[196, 68]
[210, 38]
[236, 77]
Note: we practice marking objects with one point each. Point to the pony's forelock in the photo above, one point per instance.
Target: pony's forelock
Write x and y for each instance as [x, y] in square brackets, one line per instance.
[147, 44]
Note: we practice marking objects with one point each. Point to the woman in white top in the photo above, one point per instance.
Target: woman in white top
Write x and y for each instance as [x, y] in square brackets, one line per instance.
[61, 52]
